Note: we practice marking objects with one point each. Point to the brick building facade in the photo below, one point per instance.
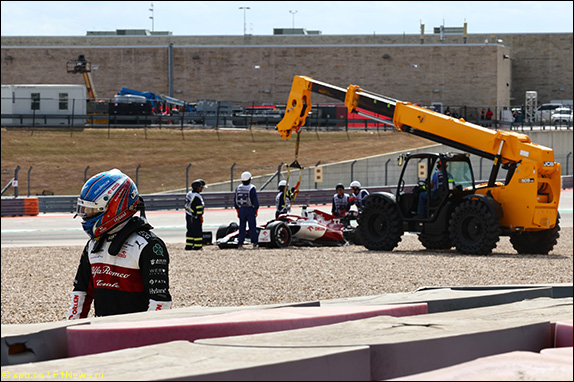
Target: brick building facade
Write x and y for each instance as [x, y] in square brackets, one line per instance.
[480, 70]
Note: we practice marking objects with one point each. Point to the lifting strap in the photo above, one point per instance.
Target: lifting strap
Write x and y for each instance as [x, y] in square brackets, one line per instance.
[295, 164]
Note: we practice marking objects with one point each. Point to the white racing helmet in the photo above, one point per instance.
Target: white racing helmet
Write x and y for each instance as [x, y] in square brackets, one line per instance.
[282, 183]
[245, 176]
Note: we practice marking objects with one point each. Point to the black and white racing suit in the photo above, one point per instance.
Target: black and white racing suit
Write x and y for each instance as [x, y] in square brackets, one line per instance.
[125, 272]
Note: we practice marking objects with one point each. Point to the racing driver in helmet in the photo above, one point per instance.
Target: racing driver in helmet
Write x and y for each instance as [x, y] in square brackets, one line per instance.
[124, 266]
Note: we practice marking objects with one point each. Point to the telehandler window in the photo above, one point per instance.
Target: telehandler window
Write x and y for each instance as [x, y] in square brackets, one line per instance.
[461, 174]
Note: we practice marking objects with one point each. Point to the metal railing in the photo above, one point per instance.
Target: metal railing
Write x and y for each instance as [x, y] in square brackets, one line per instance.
[159, 202]
[11, 182]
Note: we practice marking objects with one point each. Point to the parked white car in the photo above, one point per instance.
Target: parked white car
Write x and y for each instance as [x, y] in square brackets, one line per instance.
[562, 116]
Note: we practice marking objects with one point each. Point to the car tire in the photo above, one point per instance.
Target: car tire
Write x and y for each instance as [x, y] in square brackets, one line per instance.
[281, 235]
[225, 230]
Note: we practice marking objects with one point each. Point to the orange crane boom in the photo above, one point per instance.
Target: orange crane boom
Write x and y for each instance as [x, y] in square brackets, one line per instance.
[81, 65]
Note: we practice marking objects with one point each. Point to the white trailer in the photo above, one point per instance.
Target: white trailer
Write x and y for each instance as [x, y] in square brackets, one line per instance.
[43, 105]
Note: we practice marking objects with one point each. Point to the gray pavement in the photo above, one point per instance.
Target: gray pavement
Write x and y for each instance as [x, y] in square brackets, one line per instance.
[61, 229]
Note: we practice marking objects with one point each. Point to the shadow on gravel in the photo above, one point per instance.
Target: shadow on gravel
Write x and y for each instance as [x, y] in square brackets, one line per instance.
[454, 254]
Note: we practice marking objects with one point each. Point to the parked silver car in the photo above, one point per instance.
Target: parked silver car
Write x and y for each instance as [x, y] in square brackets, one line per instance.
[562, 116]
[545, 111]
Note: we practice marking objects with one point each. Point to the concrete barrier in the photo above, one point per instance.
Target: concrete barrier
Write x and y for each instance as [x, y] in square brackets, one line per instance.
[99, 338]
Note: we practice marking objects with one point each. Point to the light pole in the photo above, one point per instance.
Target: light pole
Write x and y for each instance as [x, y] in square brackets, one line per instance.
[151, 17]
[293, 13]
[244, 19]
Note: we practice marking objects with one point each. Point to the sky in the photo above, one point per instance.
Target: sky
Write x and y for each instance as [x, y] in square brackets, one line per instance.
[232, 18]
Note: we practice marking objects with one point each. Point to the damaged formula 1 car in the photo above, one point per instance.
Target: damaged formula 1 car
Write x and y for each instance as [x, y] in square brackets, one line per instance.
[313, 228]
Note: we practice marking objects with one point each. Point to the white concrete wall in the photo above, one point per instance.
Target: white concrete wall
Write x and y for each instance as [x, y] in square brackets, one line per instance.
[382, 170]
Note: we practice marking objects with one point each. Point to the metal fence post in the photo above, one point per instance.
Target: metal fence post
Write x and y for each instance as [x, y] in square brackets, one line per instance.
[232, 175]
[187, 178]
[71, 123]
[137, 174]
[353, 170]
[182, 115]
[30, 169]
[15, 182]
[387, 171]
[217, 114]
[317, 165]
[279, 172]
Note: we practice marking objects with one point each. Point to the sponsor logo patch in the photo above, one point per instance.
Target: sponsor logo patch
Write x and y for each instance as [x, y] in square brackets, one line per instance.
[158, 250]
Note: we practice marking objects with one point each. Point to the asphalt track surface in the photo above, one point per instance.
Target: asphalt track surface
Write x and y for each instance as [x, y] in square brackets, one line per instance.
[63, 230]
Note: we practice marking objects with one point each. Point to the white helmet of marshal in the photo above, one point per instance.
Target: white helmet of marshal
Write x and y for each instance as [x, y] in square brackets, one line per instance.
[245, 176]
[355, 184]
[282, 183]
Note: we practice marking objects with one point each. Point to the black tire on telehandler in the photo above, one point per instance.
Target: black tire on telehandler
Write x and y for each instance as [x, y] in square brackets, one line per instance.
[380, 225]
[473, 228]
[536, 243]
[432, 241]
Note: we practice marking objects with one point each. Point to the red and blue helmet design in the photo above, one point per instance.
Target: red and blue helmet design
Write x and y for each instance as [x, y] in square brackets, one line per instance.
[106, 200]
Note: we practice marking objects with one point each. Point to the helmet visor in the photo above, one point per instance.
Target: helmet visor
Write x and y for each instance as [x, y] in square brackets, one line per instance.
[87, 210]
